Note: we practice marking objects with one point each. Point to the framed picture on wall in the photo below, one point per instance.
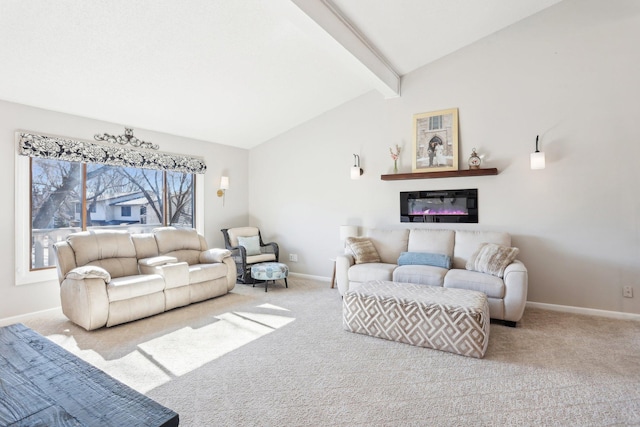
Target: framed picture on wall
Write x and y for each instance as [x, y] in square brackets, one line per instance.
[435, 141]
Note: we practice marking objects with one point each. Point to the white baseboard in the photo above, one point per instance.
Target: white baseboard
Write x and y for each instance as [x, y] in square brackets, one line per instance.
[309, 276]
[588, 311]
[23, 317]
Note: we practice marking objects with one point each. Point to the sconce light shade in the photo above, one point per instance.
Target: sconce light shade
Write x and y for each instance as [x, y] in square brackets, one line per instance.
[537, 158]
[224, 182]
[356, 170]
[347, 231]
[224, 186]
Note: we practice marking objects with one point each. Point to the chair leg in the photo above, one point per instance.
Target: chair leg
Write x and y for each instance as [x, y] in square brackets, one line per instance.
[285, 282]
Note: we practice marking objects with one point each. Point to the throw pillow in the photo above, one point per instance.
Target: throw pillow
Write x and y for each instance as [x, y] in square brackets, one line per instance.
[251, 244]
[425, 258]
[89, 272]
[363, 250]
[492, 259]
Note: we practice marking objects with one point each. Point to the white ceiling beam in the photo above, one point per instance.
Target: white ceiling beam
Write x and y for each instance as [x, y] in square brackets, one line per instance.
[331, 20]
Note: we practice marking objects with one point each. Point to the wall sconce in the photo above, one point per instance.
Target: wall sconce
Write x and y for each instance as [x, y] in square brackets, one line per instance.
[537, 158]
[356, 170]
[224, 186]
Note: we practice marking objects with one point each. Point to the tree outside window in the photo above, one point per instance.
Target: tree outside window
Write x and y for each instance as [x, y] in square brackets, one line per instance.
[116, 198]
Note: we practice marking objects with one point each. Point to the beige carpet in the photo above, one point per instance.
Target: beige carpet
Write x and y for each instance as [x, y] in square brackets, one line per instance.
[281, 358]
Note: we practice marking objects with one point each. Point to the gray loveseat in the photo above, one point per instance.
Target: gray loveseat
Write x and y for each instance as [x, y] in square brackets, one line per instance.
[506, 290]
[112, 277]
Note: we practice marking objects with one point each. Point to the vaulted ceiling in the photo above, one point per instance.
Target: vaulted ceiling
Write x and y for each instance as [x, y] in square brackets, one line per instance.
[234, 72]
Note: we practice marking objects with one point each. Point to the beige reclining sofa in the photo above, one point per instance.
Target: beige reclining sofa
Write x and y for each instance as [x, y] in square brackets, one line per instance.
[477, 260]
[111, 277]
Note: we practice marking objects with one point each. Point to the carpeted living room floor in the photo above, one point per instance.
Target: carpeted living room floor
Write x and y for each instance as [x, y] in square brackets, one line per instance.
[282, 358]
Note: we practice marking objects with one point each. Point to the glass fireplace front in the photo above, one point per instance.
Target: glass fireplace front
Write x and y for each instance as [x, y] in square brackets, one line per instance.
[439, 206]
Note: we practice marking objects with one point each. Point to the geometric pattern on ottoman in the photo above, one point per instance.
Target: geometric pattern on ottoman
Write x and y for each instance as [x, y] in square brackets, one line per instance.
[447, 319]
[270, 271]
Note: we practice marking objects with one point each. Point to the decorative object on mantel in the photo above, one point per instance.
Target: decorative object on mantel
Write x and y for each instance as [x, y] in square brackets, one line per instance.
[356, 170]
[537, 158]
[435, 141]
[442, 174]
[395, 156]
[474, 160]
[125, 139]
[72, 150]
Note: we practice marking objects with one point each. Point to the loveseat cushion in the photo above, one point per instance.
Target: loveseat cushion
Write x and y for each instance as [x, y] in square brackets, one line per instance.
[468, 241]
[389, 243]
[420, 274]
[431, 240]
[371, 271]
[472, 280]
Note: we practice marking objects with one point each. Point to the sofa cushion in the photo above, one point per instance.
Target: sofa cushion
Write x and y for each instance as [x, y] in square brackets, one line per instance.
[431, 240]
[472, 280]
[171, 239]
[124, 288]
[425, 258]
[492, 259]
[112, 250]
[363, 250]
[250, 244]
[371, 271]
[420, 274]
[89, 272]
[467, 241]
[389, 243]
[205, 272]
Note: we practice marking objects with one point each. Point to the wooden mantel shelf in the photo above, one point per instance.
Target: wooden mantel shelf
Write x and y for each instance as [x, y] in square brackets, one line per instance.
[441, 174]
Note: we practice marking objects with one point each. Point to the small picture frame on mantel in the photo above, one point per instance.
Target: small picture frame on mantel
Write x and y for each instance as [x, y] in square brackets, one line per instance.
[435, 141]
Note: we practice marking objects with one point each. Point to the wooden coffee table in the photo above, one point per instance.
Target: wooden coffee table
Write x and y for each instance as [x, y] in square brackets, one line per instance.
[43, 384]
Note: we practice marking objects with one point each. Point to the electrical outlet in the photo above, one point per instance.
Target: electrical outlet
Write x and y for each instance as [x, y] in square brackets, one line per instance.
[293, 257]
[627, 292]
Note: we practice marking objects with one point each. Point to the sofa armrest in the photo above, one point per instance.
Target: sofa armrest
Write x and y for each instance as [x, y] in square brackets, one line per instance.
[157, 261]
[214, 255]
[270, 248]
[516, 284]
[343, 263]
[89, 272]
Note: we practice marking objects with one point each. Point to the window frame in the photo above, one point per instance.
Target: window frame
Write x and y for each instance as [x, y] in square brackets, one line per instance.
[22, 203]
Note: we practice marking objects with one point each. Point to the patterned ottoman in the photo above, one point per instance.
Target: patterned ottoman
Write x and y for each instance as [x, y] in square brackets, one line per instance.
[453, 320]
[270, 271]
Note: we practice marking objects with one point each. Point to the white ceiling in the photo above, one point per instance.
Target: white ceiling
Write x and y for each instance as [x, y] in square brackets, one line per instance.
[235, 72]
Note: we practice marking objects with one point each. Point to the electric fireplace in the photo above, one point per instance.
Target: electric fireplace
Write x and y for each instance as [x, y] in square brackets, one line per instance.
[439, 206]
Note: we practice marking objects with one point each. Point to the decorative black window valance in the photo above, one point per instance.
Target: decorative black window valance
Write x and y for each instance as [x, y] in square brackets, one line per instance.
[50, 147]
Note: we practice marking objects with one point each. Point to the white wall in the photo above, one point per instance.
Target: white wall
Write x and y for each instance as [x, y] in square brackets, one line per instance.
[220, 159]
[569, 74]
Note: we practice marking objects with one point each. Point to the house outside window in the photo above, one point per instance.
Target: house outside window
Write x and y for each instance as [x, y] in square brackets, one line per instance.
[125, 210]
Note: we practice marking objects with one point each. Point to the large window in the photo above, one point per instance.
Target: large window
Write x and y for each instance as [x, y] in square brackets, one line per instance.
[70, 196]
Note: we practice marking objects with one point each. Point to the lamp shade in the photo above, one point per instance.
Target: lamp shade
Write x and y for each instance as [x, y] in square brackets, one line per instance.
[347, 231]
[537, 160]
[224, 182]
[355, 172]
